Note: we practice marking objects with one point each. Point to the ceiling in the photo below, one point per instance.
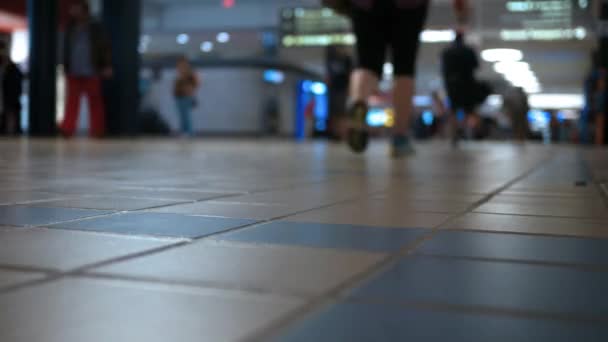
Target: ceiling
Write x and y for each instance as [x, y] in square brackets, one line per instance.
[559, 65]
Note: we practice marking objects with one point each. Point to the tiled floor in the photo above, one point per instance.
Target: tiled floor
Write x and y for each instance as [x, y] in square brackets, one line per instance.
[160, 240]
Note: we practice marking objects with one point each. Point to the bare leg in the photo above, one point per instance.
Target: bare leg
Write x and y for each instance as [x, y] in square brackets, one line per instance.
[363, 83]
[402, 101]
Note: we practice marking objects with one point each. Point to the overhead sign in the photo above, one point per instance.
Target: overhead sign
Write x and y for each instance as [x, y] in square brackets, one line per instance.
[543, 20]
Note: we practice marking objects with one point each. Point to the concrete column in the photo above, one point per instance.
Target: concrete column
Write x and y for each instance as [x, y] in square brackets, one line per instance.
[122, 20]
[42, 15]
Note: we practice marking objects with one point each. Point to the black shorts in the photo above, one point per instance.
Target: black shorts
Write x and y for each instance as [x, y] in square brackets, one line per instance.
[384, 26]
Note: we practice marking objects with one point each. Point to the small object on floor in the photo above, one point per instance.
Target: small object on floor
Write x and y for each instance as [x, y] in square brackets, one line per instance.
[401, 146]
[581, 184]
[358, 136]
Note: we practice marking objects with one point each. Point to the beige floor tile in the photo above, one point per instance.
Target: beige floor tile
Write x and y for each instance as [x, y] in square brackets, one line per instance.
[107, 203]
[63, 250]
[289, 270]
[102, 311]
[18, 197]
[231, 209]
[531, 225]
[556, 210]
[372, 213]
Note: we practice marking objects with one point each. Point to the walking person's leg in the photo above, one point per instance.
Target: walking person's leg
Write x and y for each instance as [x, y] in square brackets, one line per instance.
[406, 26]
[371, 55]
[97, 115]
[72, 108]
[184, 109]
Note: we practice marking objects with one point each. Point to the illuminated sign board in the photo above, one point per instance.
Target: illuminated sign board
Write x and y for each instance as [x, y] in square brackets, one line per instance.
[543, 20]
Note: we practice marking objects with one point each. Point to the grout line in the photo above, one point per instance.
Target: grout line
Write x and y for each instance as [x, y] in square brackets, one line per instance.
[481, 310]
[601, 268]
[80, 270]
[275, 328]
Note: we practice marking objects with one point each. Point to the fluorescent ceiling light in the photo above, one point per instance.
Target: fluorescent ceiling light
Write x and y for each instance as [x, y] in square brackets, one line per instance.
[511, 67]
[557, 101]
[207, 46]
[502, 55]
[437, 36]
[223, 37]
[182, 39]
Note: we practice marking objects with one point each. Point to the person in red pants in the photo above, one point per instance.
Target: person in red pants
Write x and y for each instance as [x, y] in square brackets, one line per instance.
[86, 60]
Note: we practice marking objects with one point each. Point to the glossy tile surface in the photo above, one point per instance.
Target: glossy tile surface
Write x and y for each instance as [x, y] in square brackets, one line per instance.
[214, 239]
[492, 285]
[108, 203]
[36, 216]
[101, 311]
[12, 278]
[584, 252]
[171, 225]
[367, 322]
[372, 239]
[63, 250]
[284, 270]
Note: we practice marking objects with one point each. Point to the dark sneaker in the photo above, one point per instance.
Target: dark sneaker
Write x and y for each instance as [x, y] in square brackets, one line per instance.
[401, 147]
[358, 136]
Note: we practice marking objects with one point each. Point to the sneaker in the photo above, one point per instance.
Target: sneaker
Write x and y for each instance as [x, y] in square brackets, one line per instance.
[358, 136]
[401, 147]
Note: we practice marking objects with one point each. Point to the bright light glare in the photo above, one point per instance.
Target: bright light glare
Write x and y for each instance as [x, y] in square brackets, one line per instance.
[207, 46]
[511, 67]
[223, 37]
[183, 39]
[437, 36]
[557, 101]
[318, 88]
[389, 69]
[20, 46]
[502, 55]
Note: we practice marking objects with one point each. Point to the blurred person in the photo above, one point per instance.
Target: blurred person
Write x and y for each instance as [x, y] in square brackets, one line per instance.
[379, 25]
[599, 99]
[87, 59]
[11, 88]
[186, 85]
[516, 106]
[459, 64]
[339, 66]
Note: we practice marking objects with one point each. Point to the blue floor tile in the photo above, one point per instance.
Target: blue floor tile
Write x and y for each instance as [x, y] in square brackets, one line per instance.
[172, 225]
[518, 247]
[492, 284]
[17, 215]
[368, 322]
[328, 236]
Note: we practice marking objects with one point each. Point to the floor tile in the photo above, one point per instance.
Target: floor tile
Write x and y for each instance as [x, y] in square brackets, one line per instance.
[231, 209]
[168, 194]
[420, 195]
[556, 210]
[102, 311]
[17, 197]
[548, 200]
[368, 322]
[171, 225]
[11, 278]
[371, 213]
[492, 284]
[64, 250]
[530, 225]
[373, 239]
[108, 203]
[35, 216]
[518, 247]
[284, 269]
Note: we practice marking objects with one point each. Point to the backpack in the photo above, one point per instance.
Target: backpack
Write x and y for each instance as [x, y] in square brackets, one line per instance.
[343, 7]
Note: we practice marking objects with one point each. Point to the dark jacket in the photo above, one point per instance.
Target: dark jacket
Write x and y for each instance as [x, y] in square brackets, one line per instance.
[101, 53]
[459, 63]
[12, 88]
